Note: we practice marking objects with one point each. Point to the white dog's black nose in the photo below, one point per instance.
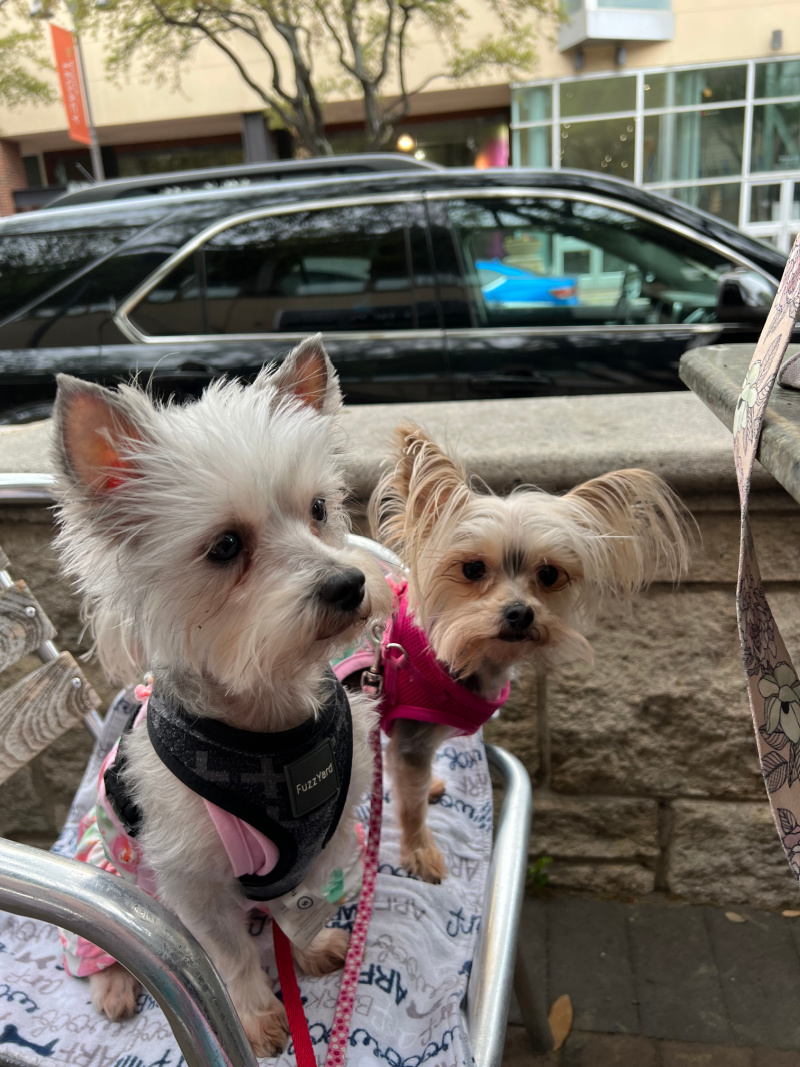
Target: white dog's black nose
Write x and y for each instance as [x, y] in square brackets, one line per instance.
[518, 616]
[344, 589]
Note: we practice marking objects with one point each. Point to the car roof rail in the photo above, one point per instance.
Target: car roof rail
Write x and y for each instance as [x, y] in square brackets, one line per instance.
[180, 181]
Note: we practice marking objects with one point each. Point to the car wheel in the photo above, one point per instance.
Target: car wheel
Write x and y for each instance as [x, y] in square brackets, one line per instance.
[26, 413]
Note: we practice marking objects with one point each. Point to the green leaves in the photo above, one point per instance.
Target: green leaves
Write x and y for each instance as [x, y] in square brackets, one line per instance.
[293, 54]
[24, 51]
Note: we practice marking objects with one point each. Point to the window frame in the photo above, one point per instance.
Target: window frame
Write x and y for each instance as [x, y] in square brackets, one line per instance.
[128, 306]
[745, 178]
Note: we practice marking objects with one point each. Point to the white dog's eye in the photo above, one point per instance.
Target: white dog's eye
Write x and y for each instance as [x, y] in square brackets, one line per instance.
[225, 548]
[552, 578]
[474, 570]
[319, 512]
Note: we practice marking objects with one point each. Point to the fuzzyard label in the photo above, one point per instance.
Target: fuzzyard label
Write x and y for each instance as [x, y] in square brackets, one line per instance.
[312, 780]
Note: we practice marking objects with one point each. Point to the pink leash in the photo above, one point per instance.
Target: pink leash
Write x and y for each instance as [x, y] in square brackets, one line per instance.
[340, 1029]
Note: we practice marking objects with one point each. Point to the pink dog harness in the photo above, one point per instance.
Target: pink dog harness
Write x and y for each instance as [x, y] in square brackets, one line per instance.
[415, 684]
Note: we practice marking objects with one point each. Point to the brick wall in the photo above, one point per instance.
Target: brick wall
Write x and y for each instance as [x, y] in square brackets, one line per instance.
[12, 175]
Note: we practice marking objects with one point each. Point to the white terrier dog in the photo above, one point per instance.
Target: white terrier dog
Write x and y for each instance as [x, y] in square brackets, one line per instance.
[209, 541]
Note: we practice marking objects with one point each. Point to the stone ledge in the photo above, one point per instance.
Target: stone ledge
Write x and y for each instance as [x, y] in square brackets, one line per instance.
[553, 442]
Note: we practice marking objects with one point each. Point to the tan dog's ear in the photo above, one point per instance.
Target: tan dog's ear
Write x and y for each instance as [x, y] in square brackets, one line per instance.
[640, 527]
[423, 484]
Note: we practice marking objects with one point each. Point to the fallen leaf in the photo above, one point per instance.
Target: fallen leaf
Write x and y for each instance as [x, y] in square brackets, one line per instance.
[560, 1019]
[790, 914]
[735, 917]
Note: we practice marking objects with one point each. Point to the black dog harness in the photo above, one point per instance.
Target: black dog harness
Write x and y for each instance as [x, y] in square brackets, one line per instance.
[291, 785]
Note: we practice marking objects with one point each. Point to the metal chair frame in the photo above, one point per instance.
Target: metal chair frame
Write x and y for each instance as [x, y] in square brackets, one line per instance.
[155, 946]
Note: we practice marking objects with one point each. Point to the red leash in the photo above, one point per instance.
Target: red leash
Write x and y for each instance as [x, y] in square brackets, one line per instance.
[340, 1030]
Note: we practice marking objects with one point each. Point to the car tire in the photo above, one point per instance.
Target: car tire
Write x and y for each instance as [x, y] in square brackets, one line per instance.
[26, 413]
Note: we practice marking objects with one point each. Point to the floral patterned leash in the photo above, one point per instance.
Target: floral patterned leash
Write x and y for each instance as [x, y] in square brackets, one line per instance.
[772, 682]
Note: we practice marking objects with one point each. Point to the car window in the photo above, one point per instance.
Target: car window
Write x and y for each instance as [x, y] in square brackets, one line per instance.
[536, 261]
[32, 263]
[336, 269]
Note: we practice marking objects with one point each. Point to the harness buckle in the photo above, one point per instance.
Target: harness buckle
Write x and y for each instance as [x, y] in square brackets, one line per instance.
[372, 677]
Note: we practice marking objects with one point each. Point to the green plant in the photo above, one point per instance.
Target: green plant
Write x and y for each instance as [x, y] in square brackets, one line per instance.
[537, 874]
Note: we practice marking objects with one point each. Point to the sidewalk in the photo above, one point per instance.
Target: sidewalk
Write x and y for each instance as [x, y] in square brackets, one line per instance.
[662, 984]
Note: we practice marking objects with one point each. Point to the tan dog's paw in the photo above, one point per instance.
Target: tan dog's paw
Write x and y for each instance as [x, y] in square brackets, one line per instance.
[436, 790]
[325, 954]
[114, 992]
[268, 1030]
[427, 862]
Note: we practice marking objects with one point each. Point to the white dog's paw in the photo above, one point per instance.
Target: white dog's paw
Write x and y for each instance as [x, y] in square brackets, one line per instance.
[268, 1030]
[114, 992]
[325, 954]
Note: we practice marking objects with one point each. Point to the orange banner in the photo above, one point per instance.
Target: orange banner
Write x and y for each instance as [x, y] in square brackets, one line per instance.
[69, 76]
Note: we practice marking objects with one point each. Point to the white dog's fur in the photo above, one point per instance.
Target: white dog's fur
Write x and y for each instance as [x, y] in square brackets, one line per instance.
[146, 491]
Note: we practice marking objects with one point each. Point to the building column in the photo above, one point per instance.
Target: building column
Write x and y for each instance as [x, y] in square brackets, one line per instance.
[12, 175]
[257, 140]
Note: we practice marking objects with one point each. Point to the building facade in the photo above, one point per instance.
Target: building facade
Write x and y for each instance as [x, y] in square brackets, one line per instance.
[694, 98]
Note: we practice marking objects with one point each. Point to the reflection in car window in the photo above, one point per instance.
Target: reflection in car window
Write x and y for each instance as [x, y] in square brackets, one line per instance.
[337, 269]
[32, 263]
[536, 261]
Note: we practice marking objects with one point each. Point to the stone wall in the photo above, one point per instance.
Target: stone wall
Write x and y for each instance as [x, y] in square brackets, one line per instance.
[644, 764]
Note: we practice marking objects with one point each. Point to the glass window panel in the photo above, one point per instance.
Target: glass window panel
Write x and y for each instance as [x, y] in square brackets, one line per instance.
[701, 87]
[596, 95]
[605, 145]
[693, 144]
[174, 307]
[776, 137]
[533, 147]
[546, 261]
[765, 203]
[796, 201]
[720, 200]
[533, 104]
[32, 263]
[778, 79]
[342, 269]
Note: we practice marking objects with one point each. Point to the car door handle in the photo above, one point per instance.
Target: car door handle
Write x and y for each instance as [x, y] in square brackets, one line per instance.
[190, 368]
[196, 366]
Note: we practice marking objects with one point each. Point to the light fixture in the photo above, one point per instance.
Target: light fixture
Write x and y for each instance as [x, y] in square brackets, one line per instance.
[708, 92]
[406, 143]
[620, 55]
[419, 154]
[578, 60]
[776, 41]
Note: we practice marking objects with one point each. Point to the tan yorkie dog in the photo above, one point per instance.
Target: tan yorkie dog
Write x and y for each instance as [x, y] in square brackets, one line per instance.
[209, 540]
[493, 581]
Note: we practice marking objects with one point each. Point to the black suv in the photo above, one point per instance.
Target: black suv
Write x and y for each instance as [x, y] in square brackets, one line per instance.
[428, 285]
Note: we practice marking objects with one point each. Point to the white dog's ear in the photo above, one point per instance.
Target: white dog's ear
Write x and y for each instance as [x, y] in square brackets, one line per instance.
[93, 435]
[308, 374]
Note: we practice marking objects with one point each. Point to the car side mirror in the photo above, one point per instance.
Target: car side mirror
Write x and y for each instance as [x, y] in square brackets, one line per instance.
[744, 296]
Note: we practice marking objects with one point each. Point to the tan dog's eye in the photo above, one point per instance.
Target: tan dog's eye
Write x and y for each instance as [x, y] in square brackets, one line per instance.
[552, 578]
[474, 570]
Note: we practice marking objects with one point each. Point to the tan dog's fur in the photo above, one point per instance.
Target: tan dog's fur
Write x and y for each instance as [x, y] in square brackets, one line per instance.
[554, 556]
